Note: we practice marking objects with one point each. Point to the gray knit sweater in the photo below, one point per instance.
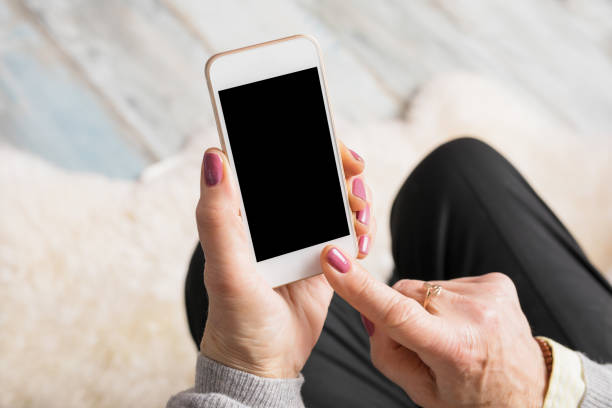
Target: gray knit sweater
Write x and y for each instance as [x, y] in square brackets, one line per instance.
[219, 386]
[598, 380]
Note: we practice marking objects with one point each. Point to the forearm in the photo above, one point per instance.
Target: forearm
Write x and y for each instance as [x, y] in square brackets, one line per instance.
[219, 386]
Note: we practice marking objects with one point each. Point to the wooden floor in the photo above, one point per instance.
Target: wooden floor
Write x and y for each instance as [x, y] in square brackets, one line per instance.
[112, 86]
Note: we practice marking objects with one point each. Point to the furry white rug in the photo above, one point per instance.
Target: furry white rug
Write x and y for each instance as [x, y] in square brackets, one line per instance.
[92, 269]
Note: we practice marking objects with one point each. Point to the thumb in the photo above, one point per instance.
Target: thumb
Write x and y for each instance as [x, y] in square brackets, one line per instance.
[216, 184]
[222, 233]
[403, 318]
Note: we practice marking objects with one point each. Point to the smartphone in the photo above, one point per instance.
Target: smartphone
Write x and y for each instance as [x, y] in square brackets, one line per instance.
[274, 121]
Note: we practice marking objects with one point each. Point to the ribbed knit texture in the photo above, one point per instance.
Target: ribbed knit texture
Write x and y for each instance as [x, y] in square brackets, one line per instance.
[598, 379]
[220, 386]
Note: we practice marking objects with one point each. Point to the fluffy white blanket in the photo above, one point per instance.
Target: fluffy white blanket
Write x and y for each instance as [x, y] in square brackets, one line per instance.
[92, 269]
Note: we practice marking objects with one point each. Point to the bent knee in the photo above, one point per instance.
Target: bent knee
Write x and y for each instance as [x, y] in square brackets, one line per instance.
[459, 155]
[465, 147]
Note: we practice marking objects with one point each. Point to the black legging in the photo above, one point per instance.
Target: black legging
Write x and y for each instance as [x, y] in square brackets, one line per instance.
[463, 211]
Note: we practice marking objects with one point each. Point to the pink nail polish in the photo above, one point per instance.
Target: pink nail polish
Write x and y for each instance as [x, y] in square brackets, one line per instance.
[338, 261]
[363, 216]
[213, 169]
[364, 244]
[355, 155]
[359, 189]
[369, 326]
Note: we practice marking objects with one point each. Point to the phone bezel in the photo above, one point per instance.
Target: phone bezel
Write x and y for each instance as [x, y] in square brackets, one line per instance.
[255, 63]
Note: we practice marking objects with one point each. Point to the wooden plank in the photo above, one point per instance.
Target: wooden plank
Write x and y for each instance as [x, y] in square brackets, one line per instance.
[546, 49]
[355, 92]
[47, 110]
[140, 59]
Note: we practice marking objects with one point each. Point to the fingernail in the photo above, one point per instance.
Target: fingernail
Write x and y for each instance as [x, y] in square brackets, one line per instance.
[363, 216]
[364, 244]
[359, 189]
[338, 261]
[369, 326]
[213, 169]
[355, 155]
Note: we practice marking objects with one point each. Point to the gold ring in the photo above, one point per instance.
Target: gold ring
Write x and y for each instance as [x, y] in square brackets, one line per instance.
[432, 290]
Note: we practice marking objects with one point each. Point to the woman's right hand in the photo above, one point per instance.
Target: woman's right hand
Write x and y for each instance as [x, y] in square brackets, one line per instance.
[471, 347]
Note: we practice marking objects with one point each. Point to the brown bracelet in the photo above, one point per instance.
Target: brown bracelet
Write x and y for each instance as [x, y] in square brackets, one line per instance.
[547, 353]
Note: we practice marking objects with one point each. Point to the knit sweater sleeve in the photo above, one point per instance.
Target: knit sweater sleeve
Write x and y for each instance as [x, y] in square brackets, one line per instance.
[219, 386]
[598, 379]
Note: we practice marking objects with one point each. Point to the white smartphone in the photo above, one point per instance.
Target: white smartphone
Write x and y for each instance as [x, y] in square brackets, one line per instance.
[272, 112]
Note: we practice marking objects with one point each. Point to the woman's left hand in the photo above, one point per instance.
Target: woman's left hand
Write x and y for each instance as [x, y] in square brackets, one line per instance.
[472, 347]
[250, 326]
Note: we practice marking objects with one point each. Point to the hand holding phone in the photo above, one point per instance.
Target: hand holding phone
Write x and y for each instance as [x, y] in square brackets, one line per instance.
[282, 191]
[251, 326]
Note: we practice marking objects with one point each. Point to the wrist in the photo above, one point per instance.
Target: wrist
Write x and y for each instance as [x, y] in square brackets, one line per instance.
[545, 368]
[240, 358]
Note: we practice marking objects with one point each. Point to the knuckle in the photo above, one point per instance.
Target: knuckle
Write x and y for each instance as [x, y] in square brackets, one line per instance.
[497, 277]
[210, 216]
[502, 282]
[484, 314]
[199, 210]
[396, 314]
[403, 285]
[489, 318]
[408, 287]
[361, 287]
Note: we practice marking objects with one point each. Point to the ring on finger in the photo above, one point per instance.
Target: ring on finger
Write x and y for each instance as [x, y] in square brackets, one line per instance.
[432, 291]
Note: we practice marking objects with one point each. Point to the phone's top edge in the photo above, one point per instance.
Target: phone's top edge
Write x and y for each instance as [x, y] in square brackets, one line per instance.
[214, 57]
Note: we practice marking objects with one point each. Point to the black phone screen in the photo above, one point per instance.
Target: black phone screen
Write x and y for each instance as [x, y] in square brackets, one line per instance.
[282, 148]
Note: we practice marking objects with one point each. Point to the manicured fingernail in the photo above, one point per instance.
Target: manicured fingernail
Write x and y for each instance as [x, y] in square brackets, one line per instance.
[369, 326]
[355, 155]
[364, 244]
[359, 189]
[363, 216]
[213, 169]
[338, 261]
